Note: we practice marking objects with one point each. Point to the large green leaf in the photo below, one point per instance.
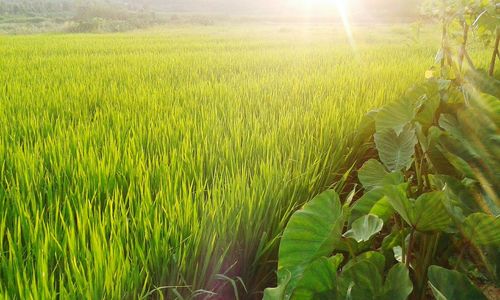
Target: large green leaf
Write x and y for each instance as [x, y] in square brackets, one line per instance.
[396, 151]
[398, 285]
[395, 116]
[482, 229]
[396, 196]
[471, 145]
[435, 155]
[374, 257]
[394, 178]
[311, 233]
[450, 124]
[490, 105]
[458, 163]
[395, 239]
[430, 212]
[382, 209]
[427, 213]
[372, 174]
[361, 278]
[455, 189]
[428, 104]
[319, 280]
[452, 285]
[278, 293]
[364, 228]
[373, 202]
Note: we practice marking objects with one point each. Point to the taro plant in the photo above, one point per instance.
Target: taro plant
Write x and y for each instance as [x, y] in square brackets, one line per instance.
[427, 219]
[426, 222]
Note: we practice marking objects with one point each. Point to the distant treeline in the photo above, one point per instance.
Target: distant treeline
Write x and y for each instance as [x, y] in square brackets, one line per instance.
[25, 16]
[391, 9]
[36, 7]
[397, 8]
[73, 16]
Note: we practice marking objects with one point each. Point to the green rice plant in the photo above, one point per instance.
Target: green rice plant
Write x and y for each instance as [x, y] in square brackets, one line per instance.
[166, 163]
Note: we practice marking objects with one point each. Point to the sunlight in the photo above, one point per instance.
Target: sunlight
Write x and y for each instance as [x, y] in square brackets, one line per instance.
[320, 7]
[344, 16]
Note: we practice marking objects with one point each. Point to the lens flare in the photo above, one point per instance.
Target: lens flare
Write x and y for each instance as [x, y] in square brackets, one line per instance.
[344, 16]
[317, 8]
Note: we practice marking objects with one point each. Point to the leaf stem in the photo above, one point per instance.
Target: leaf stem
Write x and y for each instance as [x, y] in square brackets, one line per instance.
[410, 247]
[462, 252]
[495, 53]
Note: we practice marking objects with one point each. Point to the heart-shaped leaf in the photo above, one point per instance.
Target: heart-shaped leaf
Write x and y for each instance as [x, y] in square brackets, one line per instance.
[430, 212]
[427, 213]
[395, 115]
[278, 293]
[452, 285]
[396, 238]
[361, 278]
[319, 280]
[398, 285]
[374, 202]
[396, 151]
[396, 195]
[374, 257]
[311, 233]
[456, 189]
[394, 178]
[482, 229]
[434, 153]
[372, 174]
[382, 209]
[364, 228]
[457, 162]
[429, 103]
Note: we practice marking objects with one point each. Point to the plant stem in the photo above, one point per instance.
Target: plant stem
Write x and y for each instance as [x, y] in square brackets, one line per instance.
[469, 60]
[351, 251]
[462, 51]
[410, 247]
[427, 252]
[495, 53]
[403, 245]
[420, 268]
[443, 46]
[423, 181]
[484, 261]
[462, 252]
[418, 169]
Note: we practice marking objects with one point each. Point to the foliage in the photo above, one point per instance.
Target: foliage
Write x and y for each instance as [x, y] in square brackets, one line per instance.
[422, 214]
[458, 17]
[430, 203]
[137, 165]
[449, 284]
[75, 16]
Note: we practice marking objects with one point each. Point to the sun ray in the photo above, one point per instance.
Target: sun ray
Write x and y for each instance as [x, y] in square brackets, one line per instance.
[344, 16]
[327, 8]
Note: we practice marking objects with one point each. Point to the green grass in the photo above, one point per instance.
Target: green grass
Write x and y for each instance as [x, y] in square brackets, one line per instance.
[146, 160]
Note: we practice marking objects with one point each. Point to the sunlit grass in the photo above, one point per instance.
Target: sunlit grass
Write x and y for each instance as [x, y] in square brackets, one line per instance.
[133, 163]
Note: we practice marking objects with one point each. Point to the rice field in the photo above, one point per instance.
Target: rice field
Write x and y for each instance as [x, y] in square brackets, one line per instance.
[165, 163]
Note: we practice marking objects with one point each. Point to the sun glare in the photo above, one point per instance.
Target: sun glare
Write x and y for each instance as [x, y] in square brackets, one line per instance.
[337, 8]
[344, 16]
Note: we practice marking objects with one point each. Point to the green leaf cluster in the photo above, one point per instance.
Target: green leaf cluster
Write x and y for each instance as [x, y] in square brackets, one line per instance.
[429, 205]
